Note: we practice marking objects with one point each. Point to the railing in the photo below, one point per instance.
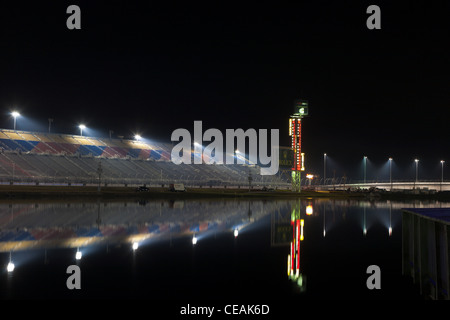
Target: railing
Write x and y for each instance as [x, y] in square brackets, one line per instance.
[134, 182]
[21, 168]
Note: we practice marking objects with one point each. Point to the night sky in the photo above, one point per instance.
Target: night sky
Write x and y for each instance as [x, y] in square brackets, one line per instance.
[149, 68]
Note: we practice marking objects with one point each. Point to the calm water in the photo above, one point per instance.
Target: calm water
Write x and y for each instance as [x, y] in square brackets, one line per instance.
[331, 248]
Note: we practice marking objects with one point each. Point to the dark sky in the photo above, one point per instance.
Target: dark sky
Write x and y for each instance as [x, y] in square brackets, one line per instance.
[148, 68]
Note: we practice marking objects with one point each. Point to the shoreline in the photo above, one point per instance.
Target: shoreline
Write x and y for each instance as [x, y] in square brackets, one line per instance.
[21, 192]
[27, 192]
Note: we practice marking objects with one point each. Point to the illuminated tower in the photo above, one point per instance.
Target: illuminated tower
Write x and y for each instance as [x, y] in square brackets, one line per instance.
[295, 131]
[293, 261]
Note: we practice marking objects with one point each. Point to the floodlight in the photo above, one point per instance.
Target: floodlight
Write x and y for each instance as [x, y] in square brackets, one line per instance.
[81, 126]
[10, 267]
[15, 114]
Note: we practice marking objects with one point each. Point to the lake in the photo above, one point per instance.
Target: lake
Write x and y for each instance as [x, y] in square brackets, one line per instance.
[213, 250]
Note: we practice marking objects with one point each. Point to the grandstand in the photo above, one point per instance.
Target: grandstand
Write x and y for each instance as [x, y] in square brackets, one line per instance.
[51, 158]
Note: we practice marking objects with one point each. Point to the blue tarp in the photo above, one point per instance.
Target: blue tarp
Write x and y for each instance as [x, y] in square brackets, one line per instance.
[442, 214]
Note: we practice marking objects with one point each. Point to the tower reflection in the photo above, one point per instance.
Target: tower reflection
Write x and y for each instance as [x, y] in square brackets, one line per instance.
[287, 230]
[297, 236]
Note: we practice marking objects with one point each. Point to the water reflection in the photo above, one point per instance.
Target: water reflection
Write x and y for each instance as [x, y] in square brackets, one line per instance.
[25, 226]
[321, 240]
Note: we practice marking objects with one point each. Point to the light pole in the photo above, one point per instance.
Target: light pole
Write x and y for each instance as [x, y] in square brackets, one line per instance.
[365, 167]
[417, 171]
[81, 126]
[15, 114]
[442, 173]
[324, 167]
[390, 172]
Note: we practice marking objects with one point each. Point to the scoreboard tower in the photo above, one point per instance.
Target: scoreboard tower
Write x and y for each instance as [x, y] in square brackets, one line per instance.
[295, 131]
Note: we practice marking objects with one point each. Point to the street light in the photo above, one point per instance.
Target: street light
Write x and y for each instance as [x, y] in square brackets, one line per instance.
[324, 167]
[417, 171]
[442, 173]
[365, 166]
[390, 172]
[15, 114]
[81, 126]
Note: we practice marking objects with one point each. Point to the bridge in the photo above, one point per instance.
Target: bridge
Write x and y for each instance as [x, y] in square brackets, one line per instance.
[386, 185]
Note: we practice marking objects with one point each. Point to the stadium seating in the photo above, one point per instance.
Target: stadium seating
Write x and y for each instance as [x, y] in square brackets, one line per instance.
[59, 158]
[70, 145]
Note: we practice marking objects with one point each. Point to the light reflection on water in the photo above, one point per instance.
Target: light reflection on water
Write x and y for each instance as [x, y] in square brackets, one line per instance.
[313, 248]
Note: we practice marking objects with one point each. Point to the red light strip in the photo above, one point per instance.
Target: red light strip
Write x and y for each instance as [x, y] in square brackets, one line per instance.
[296, 144]
[298, 246]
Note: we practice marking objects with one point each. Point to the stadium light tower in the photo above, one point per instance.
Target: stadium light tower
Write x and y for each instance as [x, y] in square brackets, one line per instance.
[81, 126]
[15, 114]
